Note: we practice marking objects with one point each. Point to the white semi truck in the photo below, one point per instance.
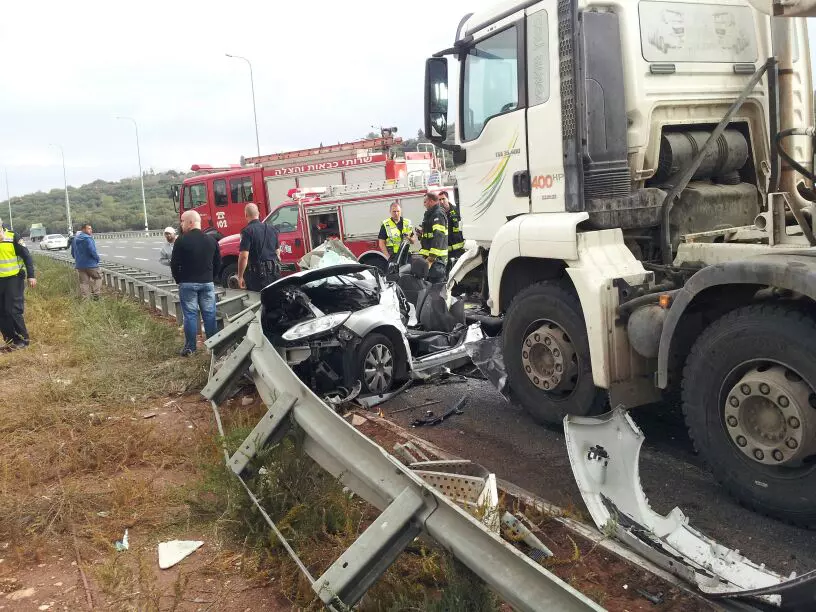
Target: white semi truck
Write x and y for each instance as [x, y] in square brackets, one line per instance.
[639, 198]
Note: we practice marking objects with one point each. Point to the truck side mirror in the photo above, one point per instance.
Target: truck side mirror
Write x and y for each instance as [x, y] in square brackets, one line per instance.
[436, 99]
[174, 195]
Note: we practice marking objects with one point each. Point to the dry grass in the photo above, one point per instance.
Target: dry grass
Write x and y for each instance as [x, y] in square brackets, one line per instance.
[78, 459]
[72, 440]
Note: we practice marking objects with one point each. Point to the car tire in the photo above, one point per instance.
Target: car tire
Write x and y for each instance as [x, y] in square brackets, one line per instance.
[746, 340]
[564, 363]
[376, 364]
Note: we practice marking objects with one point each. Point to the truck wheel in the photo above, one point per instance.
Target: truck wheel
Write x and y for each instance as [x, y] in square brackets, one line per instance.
[376, 364]
[226, 272]
[546, 354]
[376, 261]
[750, 408]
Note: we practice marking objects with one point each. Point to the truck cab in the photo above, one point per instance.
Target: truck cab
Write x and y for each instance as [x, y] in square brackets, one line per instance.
[620, 169]
[220, 198]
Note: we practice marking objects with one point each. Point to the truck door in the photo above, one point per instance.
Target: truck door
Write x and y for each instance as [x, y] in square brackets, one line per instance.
[545, 152]
[286, 219]
[195, 198]
[241, 193]
[492, 127]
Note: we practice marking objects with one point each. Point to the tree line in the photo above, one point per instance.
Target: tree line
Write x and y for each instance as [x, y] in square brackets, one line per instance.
[108, 206]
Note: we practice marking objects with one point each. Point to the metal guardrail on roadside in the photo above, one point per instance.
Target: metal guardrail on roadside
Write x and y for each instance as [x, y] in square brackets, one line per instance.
[123, 235]
[409, 505]
[159, 291]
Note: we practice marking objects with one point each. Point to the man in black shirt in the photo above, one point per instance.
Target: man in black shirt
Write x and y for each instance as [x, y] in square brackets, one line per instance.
[194, 263]
[259, 256]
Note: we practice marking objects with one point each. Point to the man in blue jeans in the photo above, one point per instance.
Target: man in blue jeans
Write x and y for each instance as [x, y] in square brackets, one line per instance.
[194, 263]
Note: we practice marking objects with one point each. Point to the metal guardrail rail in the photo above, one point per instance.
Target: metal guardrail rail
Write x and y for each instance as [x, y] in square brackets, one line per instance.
[159, 291]
[409, 506]
[123, 235]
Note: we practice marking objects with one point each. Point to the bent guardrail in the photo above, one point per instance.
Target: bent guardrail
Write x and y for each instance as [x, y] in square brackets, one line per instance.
[409, 505]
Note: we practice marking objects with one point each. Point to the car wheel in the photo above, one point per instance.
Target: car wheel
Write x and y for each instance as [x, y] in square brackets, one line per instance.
[376, 364]
[749, 400]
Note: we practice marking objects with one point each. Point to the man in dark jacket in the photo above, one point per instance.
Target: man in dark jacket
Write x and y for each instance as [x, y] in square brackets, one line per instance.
[194, 263]
[86, 262]
[434, 238]
[15, 264]
[259, 253]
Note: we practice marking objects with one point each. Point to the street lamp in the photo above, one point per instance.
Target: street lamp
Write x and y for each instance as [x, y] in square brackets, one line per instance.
[67, 201]
[8, 197]
[254, 112]
[141, 176]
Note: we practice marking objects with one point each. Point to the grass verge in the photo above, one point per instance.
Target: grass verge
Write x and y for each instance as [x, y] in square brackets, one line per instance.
[76, 454]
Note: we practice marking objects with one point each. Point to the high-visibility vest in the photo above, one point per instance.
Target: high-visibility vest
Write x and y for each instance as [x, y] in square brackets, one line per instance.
[393, 237]
[10, 264]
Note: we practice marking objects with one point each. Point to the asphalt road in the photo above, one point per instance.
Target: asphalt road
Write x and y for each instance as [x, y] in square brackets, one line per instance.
[137, 252]
[503, 438]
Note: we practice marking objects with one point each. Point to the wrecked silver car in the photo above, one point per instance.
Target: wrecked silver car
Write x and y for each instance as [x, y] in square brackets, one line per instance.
[341, 324]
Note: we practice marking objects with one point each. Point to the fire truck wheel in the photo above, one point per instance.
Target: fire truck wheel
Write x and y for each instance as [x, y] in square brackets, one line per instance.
[546, 355]
[376, 261]
[750, 407]
[226, 272]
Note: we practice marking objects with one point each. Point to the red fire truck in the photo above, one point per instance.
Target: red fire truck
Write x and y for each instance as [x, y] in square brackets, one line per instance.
[219, 195]
[352, 213]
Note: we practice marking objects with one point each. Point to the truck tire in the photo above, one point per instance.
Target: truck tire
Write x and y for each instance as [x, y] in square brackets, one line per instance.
[750, 408]
[375, 260]
[226, 272]
[546, 354]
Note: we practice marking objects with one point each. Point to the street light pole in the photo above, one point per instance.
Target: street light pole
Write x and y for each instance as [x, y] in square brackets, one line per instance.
[8, 196]
[254, 111]
[67, 201]
[141, 176]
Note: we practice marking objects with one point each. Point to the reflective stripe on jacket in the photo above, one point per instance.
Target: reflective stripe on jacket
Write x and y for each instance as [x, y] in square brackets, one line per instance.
[435, 233]
[10, 264]
[393, 238]
[455, 239]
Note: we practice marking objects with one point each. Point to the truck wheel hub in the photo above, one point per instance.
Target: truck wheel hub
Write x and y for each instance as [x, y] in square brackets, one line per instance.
[549, 359]
[770, 415]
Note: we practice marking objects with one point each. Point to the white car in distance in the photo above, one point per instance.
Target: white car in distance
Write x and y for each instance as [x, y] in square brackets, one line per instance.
[54, 241]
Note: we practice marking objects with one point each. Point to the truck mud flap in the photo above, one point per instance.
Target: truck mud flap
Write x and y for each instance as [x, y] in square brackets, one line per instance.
[604, 453]
[409, 505]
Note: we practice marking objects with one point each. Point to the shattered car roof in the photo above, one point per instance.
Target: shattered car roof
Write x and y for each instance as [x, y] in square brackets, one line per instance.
[298, 279]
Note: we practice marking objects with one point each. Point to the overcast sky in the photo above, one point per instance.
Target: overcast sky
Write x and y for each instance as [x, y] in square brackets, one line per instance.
[325, 71]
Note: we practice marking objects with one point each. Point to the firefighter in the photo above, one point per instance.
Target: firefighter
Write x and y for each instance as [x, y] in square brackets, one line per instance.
[456, 242]
[14, 259]
[435, 239]
[394, 230]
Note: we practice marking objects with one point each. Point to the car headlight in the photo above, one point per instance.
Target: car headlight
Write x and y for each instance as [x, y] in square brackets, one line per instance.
[315, 327]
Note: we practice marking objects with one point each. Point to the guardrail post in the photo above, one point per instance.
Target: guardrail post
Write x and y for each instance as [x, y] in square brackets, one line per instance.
[131, 285]
[178, 311]
[165, 305]
[140, 289]
[151, 298]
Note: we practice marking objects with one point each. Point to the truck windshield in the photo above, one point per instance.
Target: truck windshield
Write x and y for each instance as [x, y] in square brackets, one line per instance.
[491, 81]
[195, 196]
[285, 219]
[685, 32]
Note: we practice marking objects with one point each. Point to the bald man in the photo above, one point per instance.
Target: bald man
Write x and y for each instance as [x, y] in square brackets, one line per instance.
[194, 263]
[259, 253]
